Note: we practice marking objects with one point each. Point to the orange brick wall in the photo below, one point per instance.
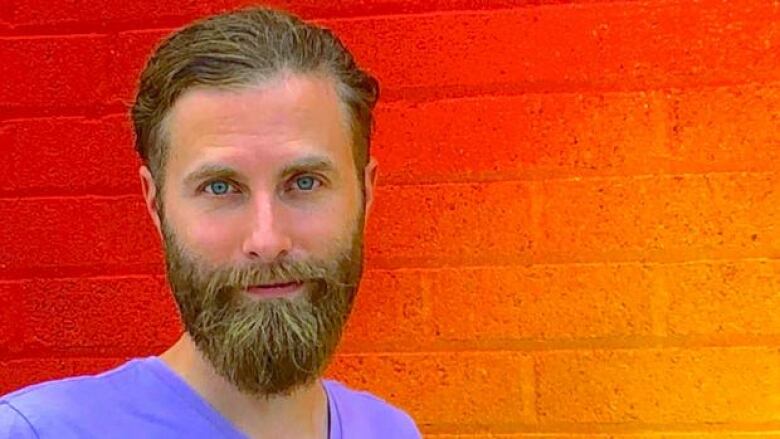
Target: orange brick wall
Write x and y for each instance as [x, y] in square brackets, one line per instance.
[576, 233]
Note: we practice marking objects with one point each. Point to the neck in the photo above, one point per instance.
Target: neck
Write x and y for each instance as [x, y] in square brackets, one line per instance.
[302, 414]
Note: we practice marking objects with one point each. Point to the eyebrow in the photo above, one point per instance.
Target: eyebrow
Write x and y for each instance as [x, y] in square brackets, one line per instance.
[218, 170]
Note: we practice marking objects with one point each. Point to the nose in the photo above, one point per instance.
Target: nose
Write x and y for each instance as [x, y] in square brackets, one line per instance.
[267, 239]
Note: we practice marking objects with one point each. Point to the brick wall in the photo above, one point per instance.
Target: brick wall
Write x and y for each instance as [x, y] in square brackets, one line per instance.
[592, 194]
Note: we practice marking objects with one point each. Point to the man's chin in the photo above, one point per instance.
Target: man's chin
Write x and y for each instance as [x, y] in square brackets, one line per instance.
[271, 346]
[260, 383]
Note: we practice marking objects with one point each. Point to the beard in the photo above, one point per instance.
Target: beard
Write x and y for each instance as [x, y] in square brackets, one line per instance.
[266, 347]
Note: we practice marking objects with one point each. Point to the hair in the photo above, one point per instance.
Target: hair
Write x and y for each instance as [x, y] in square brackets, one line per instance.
[239, 49]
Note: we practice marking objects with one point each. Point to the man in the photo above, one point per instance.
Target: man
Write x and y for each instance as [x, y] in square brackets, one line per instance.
[254, 131]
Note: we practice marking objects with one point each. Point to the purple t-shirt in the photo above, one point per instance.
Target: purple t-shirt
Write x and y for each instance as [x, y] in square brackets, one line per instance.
[144, 398]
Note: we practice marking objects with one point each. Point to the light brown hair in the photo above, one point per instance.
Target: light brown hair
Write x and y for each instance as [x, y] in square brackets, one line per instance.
[238, 49]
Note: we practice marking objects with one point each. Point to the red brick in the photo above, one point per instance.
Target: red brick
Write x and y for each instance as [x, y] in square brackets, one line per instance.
[11, 330]
[131, 50]
[463, 223]
[657, 218]
[603, 45]
[54, 74]
[97, 316]
[20, 373]
[65, 14]
[729, 128]
[482, 388]
[659, 386]
[56, 234]
[528, 136]
[70, 156]
[542, 302]
[6, 11]
[389, 313]
[723, 298]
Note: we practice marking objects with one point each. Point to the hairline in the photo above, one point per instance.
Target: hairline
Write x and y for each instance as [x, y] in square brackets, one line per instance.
[161, 133]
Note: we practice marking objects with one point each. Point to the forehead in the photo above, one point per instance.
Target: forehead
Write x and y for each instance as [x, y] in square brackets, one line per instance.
[282, 118]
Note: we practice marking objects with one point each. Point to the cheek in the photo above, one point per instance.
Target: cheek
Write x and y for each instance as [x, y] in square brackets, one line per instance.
[318, 230]
[214, 238]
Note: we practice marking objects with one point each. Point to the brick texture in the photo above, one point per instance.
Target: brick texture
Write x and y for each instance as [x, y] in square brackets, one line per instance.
[64, 235]
[659, 218]
[75, 321]
[526, 136]
[689, 435]
[64, 15]
[19, 373]
[454, 223]
[724, 129]
[728, 298]
[54, 74]
[386, 297]
[431, 386]
[659, 386]
[576, 232]
[69, 156]
[542, 302]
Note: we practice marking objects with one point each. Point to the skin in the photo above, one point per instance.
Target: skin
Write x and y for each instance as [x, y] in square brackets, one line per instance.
[263, 215]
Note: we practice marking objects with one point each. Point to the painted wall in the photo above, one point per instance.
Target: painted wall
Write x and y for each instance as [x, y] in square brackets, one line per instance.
[576, 234]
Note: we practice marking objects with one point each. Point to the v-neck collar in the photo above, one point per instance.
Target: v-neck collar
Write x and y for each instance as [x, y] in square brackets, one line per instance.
[176, 383]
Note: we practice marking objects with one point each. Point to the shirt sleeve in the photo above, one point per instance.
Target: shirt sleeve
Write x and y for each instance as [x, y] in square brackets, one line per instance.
[13, 424]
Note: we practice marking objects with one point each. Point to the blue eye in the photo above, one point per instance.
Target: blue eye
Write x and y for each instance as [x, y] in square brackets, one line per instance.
[219, 187]
[306, 183]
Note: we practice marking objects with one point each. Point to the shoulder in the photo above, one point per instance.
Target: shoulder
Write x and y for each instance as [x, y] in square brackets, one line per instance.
[51, 405]
[365, 411]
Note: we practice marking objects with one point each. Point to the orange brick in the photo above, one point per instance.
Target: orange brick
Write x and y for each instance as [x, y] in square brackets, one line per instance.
[658, 218]
[480, 388]
[723, 298]
[483, 436]
[419, 226]
[542, 302]
[609, 45]
[528, 136]
[695, 435]
[659, 386]
[729, 128]
[389, 313]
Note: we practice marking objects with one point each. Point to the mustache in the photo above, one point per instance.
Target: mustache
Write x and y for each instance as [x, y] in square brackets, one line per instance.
[278, 272]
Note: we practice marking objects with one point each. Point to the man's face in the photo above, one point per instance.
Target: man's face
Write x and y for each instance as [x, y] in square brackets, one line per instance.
[262, 221]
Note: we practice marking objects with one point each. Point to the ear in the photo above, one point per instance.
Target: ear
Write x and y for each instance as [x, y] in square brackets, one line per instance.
[149, 190]
[370, 182]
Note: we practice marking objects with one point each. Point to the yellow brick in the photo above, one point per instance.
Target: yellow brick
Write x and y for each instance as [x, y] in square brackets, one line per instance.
[723, 298]
[659, 386]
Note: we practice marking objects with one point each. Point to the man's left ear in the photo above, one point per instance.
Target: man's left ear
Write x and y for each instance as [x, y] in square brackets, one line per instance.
[370, 181]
